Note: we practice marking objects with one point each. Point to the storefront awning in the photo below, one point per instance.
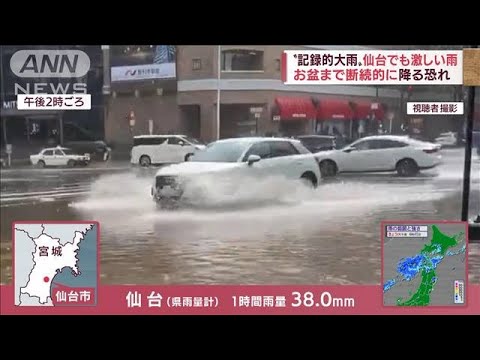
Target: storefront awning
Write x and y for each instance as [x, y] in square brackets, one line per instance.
[363, 109]
[333, 109]
[293, 108]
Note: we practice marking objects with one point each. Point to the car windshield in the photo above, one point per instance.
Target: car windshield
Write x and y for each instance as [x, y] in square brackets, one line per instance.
[221, 152]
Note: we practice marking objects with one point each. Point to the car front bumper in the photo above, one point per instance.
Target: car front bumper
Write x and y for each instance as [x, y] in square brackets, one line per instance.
[166, 193]
[167, 190]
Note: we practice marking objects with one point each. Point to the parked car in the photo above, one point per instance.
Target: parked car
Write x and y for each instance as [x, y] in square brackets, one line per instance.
[85, 142]
[59, 156]
[98, 149]
[163, 149]
[317, 143]
[235, 162]
[448, 139]
[382, 153]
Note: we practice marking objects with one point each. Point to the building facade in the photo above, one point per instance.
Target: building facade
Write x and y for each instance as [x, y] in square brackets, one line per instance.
[253, 100]
[160, 89]
[140, 92]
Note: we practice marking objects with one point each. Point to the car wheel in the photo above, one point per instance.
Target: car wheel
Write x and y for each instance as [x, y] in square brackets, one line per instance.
[71, 163]
[309, 179]
[407, 167]
[328, 168]
[41, 164]
[145, 160]
[188, 156]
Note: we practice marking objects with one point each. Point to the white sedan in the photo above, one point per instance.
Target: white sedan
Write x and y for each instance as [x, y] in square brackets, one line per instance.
[59, 156]
[381, 153]
[230, 164]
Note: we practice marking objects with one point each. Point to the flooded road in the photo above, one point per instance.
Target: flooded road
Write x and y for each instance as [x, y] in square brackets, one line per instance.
[326, 236]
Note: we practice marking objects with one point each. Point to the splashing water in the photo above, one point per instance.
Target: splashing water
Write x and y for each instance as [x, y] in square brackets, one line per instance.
[271, 205]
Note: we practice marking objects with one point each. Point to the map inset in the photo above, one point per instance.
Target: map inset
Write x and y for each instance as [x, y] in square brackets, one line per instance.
[424, 264]
[55, 264]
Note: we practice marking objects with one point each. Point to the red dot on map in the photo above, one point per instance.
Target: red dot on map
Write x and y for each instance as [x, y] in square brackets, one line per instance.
[46, 279]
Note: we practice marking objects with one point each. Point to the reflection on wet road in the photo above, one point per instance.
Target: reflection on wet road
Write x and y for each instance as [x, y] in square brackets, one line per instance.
[326, 236]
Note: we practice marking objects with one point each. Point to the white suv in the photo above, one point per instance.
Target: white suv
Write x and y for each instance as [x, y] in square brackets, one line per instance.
[163, 149]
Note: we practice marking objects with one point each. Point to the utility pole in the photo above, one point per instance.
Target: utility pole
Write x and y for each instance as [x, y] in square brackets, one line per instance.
[219, 71]
[2, 94]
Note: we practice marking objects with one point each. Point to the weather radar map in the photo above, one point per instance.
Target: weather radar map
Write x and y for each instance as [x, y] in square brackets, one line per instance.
[55, 264]
[424, 264]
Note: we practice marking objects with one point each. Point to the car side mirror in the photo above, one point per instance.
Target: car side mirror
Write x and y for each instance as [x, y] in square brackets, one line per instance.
[253, 159]
[181, 143]
[349, 149]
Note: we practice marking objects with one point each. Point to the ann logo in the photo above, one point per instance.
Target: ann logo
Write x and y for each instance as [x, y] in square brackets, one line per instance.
[57, 65]
[50, 63]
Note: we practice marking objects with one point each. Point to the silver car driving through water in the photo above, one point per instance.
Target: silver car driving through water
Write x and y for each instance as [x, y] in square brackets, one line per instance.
[229, 164]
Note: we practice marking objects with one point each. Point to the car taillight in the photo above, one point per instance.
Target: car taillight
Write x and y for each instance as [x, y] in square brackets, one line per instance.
[430, 151]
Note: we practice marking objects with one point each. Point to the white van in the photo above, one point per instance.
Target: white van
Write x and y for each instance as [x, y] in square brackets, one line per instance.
[163, 149]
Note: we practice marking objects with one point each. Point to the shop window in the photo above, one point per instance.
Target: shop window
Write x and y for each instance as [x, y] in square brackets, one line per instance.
[74, 133]
[16, 130]
[196, 64]
[242, 60]
[416, 125]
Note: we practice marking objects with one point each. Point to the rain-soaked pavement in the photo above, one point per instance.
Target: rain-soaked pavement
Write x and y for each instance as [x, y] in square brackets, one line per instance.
[329, 236]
